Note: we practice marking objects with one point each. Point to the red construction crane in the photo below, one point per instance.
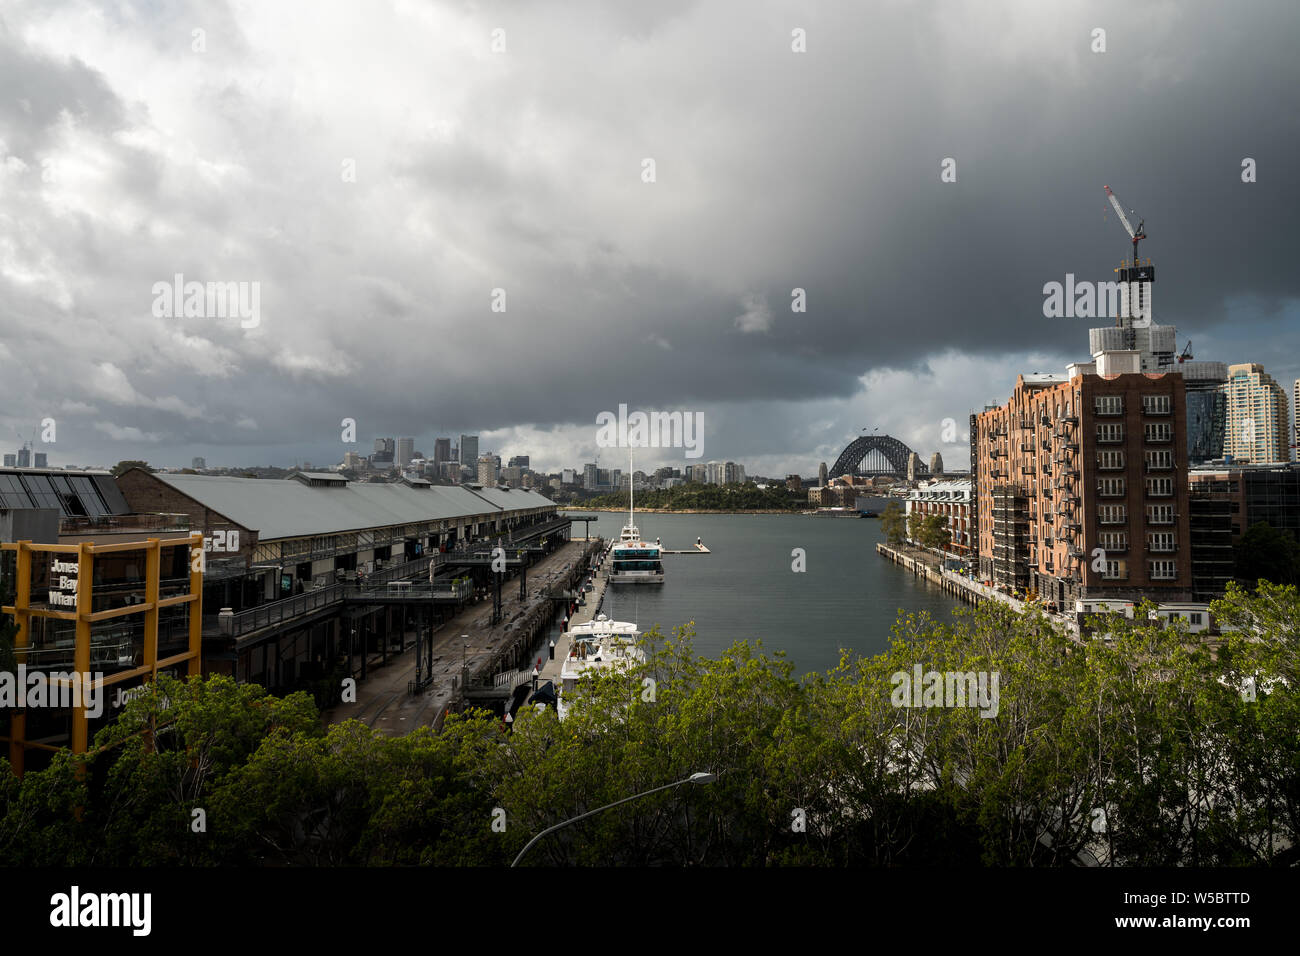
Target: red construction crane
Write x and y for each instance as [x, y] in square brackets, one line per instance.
[1187, 353]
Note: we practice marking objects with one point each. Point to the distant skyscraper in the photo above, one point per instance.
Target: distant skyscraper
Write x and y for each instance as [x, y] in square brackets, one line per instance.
[405, 451]
[488, 468]
[1259, 421]
[1295, 418]
[1207, 403]
[198, 464]
[24, 458]
[519, 461]
[590, 477]
[441, 450]
[382, 459]
[821, 475]
[469, 450]
[568, 477]
[11, 461]
[39, 459]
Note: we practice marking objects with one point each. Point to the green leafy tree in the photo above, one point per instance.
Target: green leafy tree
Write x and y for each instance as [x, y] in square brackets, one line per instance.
[915, 526]
[934, 532]
[126, 465]
[892, 523]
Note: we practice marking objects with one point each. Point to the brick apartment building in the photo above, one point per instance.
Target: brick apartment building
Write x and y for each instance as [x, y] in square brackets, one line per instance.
[951, 500]
[1091, 459]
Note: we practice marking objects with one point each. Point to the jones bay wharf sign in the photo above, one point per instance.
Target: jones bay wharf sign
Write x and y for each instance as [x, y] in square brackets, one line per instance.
[63, 583]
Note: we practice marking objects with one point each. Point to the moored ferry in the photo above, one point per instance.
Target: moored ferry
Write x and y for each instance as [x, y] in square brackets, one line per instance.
[636, 562]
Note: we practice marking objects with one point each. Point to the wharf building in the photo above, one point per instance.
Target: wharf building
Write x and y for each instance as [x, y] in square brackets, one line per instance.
[288, 556]
[1083, 471]
[101, 599]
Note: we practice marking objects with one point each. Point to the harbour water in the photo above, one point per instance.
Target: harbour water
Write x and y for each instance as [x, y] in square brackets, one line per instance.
[848, 597]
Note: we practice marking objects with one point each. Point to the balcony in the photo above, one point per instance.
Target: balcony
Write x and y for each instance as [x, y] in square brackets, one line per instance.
[1070, 420]
[1162, 547]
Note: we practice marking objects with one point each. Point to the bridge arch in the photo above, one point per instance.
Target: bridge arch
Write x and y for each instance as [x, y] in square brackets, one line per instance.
[893, 451]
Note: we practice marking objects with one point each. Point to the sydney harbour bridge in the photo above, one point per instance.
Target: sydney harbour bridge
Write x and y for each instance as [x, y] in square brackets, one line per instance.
[873, 456]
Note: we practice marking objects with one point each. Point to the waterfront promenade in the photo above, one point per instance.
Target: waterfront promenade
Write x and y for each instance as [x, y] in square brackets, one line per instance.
[929, 566]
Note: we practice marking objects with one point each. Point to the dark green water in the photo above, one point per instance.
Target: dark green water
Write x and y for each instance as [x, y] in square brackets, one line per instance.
[848, 597]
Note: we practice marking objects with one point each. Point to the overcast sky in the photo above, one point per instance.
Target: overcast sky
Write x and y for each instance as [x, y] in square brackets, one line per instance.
[378, 170]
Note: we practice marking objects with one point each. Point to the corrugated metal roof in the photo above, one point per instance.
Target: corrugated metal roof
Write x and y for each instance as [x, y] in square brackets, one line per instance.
[292, 509]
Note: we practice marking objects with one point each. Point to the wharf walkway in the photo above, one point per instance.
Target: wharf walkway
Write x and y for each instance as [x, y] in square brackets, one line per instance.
[595, 601]
[928, 566]
[468, 642]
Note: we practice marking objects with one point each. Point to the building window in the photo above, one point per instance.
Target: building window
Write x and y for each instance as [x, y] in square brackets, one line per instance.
[1110, 487]
[1109, 404]
[1196, 617]
[1111, 432]
[1159, 432]
[1155, 404]
[1160, 487]
[1160, 541]
[1110, 460]
[1160, 514]
[1112, 514]
[1160, 459]
[1113, 540]
[1163, 570]
[1115, 570]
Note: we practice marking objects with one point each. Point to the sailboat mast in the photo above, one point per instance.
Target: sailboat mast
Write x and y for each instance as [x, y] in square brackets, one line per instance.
[631, 487]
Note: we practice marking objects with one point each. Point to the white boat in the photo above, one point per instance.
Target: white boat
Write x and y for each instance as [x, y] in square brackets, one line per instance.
[600, 644]
[634, 561]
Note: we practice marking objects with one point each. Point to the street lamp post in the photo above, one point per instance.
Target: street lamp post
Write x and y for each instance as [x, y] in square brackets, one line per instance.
[700, 778]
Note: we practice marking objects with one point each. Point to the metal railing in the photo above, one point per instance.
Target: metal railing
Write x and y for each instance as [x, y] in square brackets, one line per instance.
[287, 609]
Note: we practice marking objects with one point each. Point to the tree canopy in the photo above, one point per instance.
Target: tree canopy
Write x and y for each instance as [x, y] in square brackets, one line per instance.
[1146, 749]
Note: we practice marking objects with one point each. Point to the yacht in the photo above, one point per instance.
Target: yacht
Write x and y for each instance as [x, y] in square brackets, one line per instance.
[598, 644]
[635, 561]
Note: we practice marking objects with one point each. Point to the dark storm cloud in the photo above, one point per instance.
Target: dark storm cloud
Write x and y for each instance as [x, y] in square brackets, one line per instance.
[521, 171]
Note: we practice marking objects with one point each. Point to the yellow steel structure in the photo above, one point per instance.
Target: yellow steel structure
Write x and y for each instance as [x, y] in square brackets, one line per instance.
[84, 616]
